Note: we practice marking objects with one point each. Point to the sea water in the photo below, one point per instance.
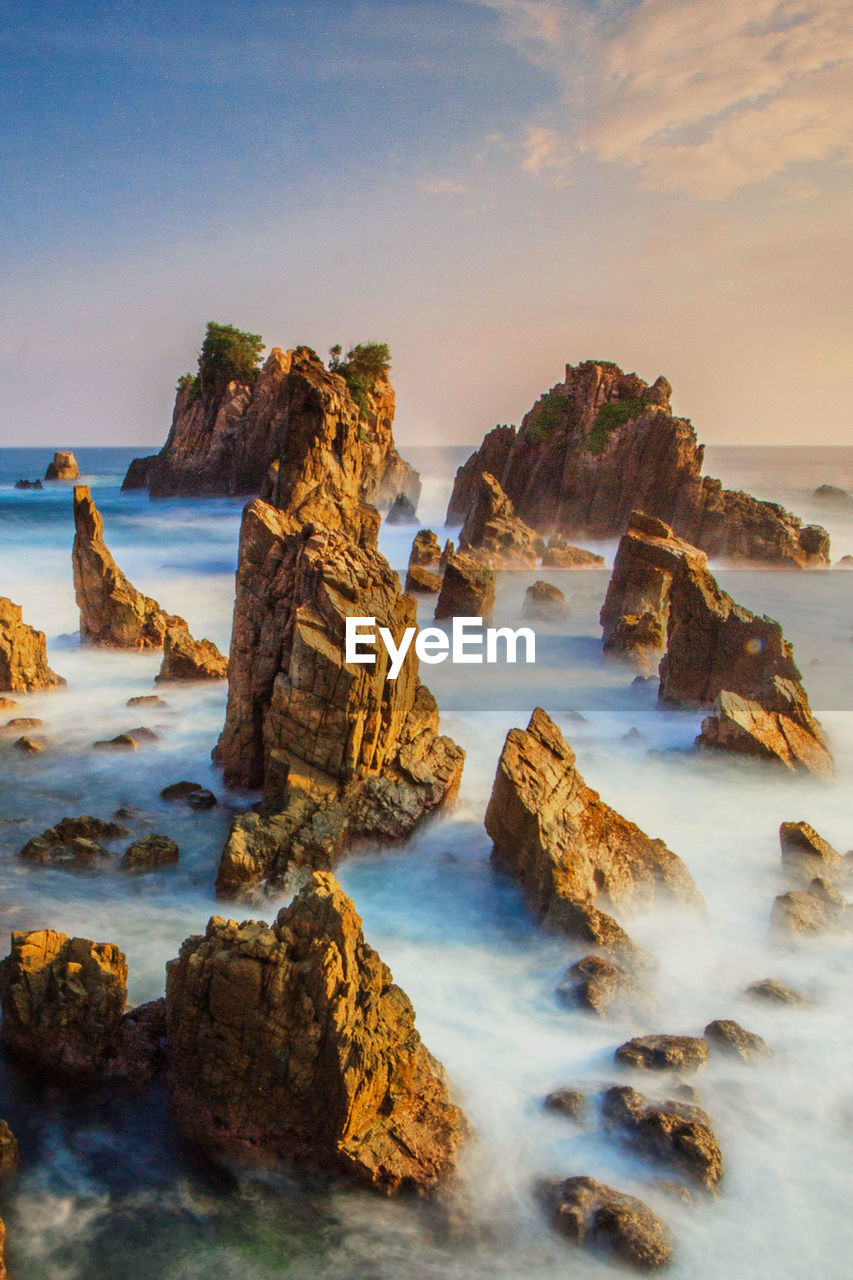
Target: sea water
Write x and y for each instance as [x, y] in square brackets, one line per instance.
[106, 1187]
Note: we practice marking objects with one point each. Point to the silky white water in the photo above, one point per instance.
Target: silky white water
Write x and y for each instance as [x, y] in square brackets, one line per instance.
[105, 1186]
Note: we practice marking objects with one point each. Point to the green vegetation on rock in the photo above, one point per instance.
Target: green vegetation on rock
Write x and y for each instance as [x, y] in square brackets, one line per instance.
[228, 355]
[361, 368]
[549, 413]
[612, 415]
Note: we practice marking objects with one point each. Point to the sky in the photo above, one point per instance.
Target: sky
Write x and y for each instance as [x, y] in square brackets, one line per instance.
[493, 187]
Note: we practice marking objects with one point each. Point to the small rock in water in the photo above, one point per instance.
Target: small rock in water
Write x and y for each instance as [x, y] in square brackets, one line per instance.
[402, 511]
[677, 1133]
[23, 723]
[29, 746]
[804, 912]
[143, 735]
[591, 1214]
[664, 1053]
[545, 602]
[601, 986]
[730, 1037]
[73, 843]
[832, 493]
[8, 704]
[28, 484]
[422, 581]
[149, 853]
[202, 799]
[773, 991]
[122, 742]
[846, 562]
[147, 700]
[569, 1102]
[805, 852]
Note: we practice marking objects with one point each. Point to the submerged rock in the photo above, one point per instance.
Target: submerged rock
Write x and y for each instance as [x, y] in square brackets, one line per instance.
[121, 742]
[147, 700]
[63, 467]
[187, 659]
[545, 603]
[468, 589]
[293, 1042]
[564, 845]
[149, 853]
[494, 535]
[815, 910]
[728, 1036]
[602, 987]
[569, 1102]
[28, 746]
[664, 1053]
[23, 654]
[772, 991]
[74, 843]
[676, 1133]
[591, 1214]
[832, 493]
[806, 853]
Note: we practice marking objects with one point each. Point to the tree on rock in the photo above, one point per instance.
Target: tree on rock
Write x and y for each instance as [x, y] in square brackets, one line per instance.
[227, 355]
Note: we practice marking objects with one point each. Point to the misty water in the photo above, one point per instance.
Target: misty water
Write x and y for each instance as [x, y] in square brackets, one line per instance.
[105, 1186]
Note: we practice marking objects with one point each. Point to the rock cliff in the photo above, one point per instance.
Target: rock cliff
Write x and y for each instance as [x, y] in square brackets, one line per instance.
[23, 653]
[227, 441]
[493, 533]
[293, 1041]
[602, 443]
[340, 750]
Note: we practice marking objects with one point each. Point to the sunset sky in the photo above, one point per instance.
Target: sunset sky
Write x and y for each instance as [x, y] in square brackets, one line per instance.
[494, 187]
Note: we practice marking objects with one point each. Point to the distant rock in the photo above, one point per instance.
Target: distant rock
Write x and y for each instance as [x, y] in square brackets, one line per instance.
[426, 551]
[664, 1053]
[565, 846]
[569, 1102]
[8, 704]
[28, 746]
[121, 742]
[147, 700]
[422, 581]
[543, 602]
[180, 790]
[675, 1133]
[149, 853]
[815, 910]
[602, 987]
[727, 1036]
[63, 467]
[292, 1042]
[772, 991]
[602, 443]
[22, 722]
[831, 493]
[468, 589]
[591, 1214]
[846, 562]
[23, 654]
[8, 1151]
[560, 554]
[806, 853]
[402, 511]
[493, 533]
[187, 659]
[74, 843]
[28, 484]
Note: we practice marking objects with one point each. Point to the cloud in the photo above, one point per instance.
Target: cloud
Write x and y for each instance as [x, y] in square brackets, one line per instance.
[703, 96]
[443, 187]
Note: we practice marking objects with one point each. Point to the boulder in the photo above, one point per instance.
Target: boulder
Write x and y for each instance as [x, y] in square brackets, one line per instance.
[147, 700]
[674, 1133]
[8, 704]
[402, 511]
[341, 751]
[832, 493]
[846, 562]
[728, 1036]
[591, 1214]
[561, 555]
[543, 602]
[569, 1102]
[183, 791]
[426, 550]
[292, 1042]
[112, 611]
[74, 843]
[28, 484]
[664, 1053]
[777, 727]
[62, 1000]
[121, 742]
[563, 844]
[149, 853]
[297, 419]
[187, 659]
[468, 589]
[807, 854]
[602, 987]
[22, 722]
[814, 910]
[422, 581]
[772, 991]
[602, 443]
[63, 467]
[494, 535]
[28, 746]
[23, 654]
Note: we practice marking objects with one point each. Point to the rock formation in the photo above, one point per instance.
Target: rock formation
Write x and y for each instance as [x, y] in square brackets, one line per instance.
[149, 853]
[23, 653]
[74, 843]
[591, 1214]
[777, 725]
[729, 1037]
[402, 511]
[426, 551]
[292, 1041]
[545, 603]
[675, 1133]
[565, 846]
[494, 535]
[806, 853]
[818, 909]
[63, 467]
[422, 581]
[187, 659]
[341, 751]
[62, 1000]
[28, 484]
[772, 991]
[664, 1053]
[227, 442]
[467, 591]
[602, 443]
[602, 987]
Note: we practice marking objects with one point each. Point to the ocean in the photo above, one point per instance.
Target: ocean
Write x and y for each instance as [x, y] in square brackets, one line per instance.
[105, 1186]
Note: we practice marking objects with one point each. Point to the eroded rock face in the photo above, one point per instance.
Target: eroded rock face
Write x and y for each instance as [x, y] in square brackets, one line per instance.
[292, 1041]
[467, 590]
[591, 1214]
[776, 726]
[340, 751]
[63, 1000]
[187, 659]
[564, 845]
[422, 581]
[675, 1133]
[63, 467]
[112, 611]
[297, 417]
[23, 653]
[806, 853]
[602, 443]
[493, 533]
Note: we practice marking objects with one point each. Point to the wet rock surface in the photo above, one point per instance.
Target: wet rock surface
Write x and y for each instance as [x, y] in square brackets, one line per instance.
[149, 853]
[772, 991]
[817, 909]
[23, 654]
[673, 1132]
[590, 1213]
[422, 581]
[571, 1103]
[807, 854]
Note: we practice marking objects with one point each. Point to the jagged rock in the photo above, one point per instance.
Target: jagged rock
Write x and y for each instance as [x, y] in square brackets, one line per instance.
[730, 1037]
[149, 853]
[806, 853]
[23, 654]
[28, 746]
[664, 1053]
[63, 467]
[810, 911]
[341, 751]
[8, 1151]
[402, 511]
[563, 844]
[832, 493]
[426, 550]
[139, 473]
[545, 603]
[298, 417]
[565, 556]
[591, 1214]
[446, 552]
[293, 1042]
[112, 611]
[73, 843]
[187, 659]
[779, 728]
[493, 533]
[468, 589]
[28, 484]
[635, 612]
[602, 987]
[671, 1132]
[603, 443]
[422, 581]
[147, 700]
[569, 1102]
[772, 991]
[62, 1000]
[121, 742]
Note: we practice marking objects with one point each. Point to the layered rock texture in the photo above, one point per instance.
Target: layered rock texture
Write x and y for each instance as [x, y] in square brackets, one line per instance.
[602, 443]
[566, 847]
[493, 533]
[467, 589]
[23, 653]
[226, 443]
[340, 750]
[63, 467]
[294, 1042]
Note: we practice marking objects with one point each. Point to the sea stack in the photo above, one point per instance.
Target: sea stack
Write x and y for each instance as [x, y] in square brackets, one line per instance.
[63, 467]
[23, 653]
